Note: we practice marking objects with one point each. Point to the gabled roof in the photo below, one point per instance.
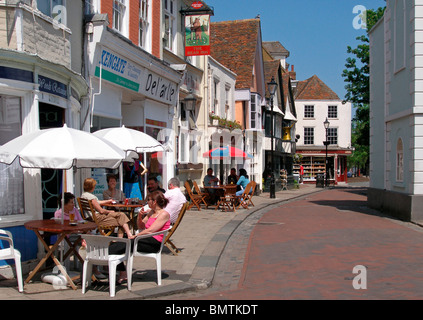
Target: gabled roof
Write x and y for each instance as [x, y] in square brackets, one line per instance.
[233, 44]
[314, 89]
[275, 48]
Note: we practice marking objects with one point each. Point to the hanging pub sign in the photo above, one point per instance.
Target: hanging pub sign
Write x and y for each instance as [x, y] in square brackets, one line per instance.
[197, 35]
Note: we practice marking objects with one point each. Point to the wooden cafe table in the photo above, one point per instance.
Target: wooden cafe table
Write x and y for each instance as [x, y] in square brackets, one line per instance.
[62, 231]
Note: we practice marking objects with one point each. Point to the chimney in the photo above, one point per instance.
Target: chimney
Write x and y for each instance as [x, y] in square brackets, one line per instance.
[292, 73]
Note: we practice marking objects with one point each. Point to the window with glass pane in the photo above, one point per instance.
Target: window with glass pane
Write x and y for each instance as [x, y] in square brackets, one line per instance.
[333, 135]
[332, 111]
[400, 161]
[308, 135]
[118, 13]
[47, 6]
[253, 109]
[308, 111]
[169, 19]
[143, 22]
[11, 176]
[89, 7]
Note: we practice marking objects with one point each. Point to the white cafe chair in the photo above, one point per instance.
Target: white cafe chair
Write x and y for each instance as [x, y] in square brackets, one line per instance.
[12, 253]
[98, 254]
[157, 255]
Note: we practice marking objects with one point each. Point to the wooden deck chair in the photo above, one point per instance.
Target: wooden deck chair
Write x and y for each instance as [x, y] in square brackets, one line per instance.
[168, 243]
[87, 211]
[195, 198]
[204, 195]
[242, 199]
[249, 196]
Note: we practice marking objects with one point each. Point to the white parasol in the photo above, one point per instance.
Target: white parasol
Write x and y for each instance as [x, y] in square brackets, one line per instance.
[61, 148]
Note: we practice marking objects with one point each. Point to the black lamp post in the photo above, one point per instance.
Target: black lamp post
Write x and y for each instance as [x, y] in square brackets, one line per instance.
[272, 85]
[326, 143]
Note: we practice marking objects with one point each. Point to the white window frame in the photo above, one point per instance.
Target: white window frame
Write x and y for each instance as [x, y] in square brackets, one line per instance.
[333, 135]
[332, 112]
[309, 136]
[169, 9]
[52, 4]
[255, 119]
[144, 24]
[120, 24]
[309, 111]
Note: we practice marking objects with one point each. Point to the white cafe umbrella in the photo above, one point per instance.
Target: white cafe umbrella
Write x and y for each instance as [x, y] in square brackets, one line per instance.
[130, 140]
[61, 148]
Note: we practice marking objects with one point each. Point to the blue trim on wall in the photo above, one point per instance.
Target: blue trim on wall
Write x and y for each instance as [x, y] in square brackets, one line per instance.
[25, 241]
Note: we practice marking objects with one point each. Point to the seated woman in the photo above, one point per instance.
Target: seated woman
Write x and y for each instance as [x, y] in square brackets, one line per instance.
[156, 220]
[112, 192]
[242, 181]
[69, 208]
[104, 216]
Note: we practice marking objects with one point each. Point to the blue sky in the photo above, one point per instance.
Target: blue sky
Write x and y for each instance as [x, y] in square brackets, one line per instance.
[315, 32]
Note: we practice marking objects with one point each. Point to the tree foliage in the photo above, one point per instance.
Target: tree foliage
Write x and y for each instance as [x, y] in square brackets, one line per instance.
[356, 75]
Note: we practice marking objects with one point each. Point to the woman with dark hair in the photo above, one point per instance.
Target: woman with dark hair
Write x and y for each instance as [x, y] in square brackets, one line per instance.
[242, 181]
[69, 208]
[156, 220]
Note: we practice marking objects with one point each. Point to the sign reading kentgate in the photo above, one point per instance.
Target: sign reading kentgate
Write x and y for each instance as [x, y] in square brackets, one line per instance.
[125, 73]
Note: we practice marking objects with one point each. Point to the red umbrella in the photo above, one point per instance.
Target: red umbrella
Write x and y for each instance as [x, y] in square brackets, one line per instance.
[226, 152]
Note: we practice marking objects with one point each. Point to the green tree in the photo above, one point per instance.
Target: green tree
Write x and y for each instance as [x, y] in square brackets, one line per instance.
[356, 75]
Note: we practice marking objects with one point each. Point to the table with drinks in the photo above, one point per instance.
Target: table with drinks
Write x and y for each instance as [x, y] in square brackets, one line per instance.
[128, 207]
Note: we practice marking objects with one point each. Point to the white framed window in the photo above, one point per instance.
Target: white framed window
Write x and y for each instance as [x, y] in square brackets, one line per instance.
[119, 15]
[332, 112]
[53, 8]
[144, 23]
[308, 135]
[333, 135]
[11, 176]
[400, 161]
[255, 120]
[308, 111]
[169, 24]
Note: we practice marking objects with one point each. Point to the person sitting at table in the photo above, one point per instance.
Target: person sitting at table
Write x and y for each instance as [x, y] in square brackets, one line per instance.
[69, 208]
[209, 181]
[104, 216]
[232, 178]
[112, 192]
[175, 197]
[153, 185]
[158, 219]
[242, 181]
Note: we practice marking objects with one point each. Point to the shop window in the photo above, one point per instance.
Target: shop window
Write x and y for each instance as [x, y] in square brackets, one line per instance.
[11, 176]
[400, 161]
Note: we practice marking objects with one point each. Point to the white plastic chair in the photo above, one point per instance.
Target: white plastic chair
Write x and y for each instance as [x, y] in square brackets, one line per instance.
[12, 253]
[157, 255]
[98, 254]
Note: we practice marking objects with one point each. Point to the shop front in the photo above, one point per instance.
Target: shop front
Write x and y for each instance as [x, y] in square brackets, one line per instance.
[34, 94]
[130, 87]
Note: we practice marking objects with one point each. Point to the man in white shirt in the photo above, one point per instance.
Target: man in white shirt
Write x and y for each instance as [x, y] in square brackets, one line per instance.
[176, 199]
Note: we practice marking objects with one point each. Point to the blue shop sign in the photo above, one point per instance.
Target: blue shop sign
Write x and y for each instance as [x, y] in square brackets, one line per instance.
[52, 86]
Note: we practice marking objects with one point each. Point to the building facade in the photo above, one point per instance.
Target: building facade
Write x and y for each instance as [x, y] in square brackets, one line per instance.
[396, 114]
[316, 102]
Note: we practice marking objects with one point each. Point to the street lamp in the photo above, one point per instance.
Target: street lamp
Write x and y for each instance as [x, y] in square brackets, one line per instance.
[190, 101]
[326, 143]
[272, 85]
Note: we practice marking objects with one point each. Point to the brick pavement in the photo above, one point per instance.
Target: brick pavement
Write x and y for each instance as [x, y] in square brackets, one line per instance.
[308, 248]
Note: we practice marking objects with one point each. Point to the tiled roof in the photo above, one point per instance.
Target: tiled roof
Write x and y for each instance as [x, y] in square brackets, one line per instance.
[314, 89]
[233, 44]
[275, 47]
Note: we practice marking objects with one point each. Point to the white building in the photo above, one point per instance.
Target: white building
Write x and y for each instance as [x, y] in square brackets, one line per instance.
[315, 102]
[396, 111]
